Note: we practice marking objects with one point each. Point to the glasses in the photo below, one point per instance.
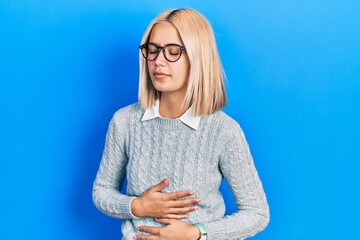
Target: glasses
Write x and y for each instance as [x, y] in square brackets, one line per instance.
[172, 52]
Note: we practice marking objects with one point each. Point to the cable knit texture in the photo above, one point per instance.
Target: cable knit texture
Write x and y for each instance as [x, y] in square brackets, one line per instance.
[146, 152]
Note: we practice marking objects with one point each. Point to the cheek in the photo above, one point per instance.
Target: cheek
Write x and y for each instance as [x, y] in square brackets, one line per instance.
[180, 76]
[150, 65]
[186, 68]
[182, 71]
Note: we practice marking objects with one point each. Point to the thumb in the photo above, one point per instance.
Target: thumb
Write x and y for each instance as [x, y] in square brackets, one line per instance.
[160, 186]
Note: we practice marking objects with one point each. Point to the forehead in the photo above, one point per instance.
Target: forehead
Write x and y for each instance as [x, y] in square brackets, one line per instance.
[164, 33]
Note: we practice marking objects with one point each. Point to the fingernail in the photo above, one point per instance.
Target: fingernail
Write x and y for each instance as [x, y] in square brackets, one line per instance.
[191, 193]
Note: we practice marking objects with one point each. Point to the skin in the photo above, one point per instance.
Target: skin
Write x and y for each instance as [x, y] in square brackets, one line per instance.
[154, 203]
[171, 79]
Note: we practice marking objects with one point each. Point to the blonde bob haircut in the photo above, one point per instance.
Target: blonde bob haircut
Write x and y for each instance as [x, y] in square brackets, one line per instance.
[205, 89]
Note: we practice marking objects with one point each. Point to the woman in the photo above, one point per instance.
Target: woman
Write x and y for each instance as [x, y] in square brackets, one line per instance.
[176, 145]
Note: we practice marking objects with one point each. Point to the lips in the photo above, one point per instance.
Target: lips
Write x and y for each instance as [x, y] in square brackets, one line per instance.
[159, 74]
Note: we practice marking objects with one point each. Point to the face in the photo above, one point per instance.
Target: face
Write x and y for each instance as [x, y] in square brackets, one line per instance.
[168, 77]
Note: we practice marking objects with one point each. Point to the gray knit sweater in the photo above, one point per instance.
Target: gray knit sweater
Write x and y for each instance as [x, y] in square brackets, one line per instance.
[146, 152]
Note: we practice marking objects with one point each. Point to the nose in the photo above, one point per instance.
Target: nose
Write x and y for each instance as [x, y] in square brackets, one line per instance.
[160, 59]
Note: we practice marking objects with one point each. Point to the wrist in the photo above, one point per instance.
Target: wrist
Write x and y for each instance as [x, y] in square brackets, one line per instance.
[136, 208]
[195, 233]
[201, 229]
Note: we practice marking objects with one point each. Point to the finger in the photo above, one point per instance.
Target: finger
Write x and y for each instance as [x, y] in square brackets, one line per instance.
[151, 230]
[165, 220]
[145, 237]
[176, 216]
[182, 210]
[160, 186]
[183, 203]
[177, 195]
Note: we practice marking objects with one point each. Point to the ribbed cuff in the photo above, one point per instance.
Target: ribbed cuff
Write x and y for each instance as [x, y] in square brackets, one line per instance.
[215, 230]
[126, 208]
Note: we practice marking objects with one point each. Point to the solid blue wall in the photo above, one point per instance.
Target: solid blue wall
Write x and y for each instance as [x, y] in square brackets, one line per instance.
[293, 70]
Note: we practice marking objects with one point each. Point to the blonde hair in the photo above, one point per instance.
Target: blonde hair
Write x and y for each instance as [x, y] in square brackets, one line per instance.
[205, 89]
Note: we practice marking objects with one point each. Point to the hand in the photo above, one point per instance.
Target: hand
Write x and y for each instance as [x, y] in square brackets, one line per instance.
[174, 230]
[154, 203]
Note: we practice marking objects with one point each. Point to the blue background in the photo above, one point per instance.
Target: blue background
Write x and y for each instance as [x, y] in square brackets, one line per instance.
[293, 70]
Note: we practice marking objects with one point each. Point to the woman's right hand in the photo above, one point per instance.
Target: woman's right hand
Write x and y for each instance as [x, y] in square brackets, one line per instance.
[154, 203]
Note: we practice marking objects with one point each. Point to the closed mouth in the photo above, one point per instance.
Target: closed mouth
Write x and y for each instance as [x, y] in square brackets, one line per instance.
[160, 74]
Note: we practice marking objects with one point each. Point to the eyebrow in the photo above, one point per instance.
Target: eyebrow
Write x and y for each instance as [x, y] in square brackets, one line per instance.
[165, 44]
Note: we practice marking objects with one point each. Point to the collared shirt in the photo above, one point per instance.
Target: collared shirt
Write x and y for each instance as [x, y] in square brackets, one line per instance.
[187, 118]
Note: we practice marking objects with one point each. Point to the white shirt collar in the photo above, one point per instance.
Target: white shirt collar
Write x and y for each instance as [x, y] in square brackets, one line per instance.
[187, 118]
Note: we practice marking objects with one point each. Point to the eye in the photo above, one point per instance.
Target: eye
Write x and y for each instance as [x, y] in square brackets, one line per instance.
[173, 50]
[152, 49]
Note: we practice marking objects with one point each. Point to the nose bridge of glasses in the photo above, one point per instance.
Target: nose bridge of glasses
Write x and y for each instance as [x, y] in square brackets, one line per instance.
[160, 49]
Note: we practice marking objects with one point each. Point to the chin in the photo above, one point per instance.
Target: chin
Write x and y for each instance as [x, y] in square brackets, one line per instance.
[160, 87]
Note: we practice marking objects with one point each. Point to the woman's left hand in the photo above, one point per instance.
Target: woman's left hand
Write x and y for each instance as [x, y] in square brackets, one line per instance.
[173, 230]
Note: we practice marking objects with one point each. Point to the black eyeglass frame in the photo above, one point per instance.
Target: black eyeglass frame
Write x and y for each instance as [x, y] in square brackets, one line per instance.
[159, 48]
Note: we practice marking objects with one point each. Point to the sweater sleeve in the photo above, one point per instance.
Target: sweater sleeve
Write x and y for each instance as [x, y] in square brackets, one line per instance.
[237, 166]
[111, 174]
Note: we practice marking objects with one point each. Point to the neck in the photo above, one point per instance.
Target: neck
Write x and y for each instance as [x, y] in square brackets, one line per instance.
[171, 106]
